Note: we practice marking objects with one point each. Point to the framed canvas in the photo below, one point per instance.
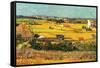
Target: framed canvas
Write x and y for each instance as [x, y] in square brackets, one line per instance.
[50, 33]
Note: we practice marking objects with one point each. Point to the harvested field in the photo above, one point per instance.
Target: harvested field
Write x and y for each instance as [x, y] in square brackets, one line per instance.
[42, 56]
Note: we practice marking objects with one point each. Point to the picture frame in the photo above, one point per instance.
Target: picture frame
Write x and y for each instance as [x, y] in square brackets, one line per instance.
[52, 33]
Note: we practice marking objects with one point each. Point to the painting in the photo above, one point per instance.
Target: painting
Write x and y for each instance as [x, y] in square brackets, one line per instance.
[55, 33]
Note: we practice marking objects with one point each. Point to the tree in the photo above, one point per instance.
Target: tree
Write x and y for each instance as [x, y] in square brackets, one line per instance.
[59, 21]
[50, 45]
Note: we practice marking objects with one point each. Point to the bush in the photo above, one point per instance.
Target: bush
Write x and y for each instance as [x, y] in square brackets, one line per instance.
[66, 46]
[83, 27]
[19, 39]
[86, 46]
[50, 46]
[33, 43]
[88, 29]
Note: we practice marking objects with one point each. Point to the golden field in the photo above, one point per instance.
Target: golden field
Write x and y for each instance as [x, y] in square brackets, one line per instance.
[49, 29]
[73, 31]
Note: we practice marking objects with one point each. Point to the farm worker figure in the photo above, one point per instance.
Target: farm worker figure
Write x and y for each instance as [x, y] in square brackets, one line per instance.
[89, 23]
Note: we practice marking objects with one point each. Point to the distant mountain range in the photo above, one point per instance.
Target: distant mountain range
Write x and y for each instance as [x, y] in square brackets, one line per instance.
[46, 17]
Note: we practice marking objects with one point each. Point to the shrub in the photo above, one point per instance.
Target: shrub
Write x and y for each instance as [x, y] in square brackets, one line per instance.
[50, 46]
[88, 29]
[66, 46]
[19, 39]
[83, 27]
[86, 46]
[33, 43]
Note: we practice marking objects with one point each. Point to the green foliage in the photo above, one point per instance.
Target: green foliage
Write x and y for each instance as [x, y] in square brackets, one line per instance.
[19, 39]
[63, 46]
[83, 27]
[33, 43]
[86, 28]
[66, 46]
[50, 46]
[51, 19]
[86, 46]
[33, 22]
[59, 21]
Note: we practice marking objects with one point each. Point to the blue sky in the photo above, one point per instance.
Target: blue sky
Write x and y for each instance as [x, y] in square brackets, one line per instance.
[27, 9]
